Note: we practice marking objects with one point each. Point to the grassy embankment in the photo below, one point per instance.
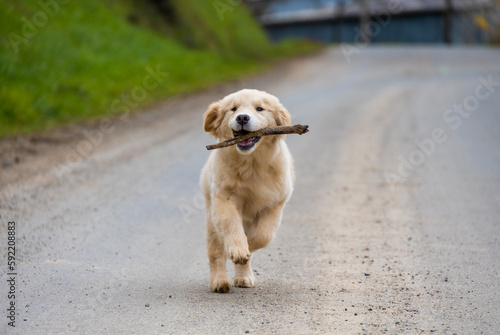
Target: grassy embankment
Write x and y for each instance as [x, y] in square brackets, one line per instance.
[64, 63]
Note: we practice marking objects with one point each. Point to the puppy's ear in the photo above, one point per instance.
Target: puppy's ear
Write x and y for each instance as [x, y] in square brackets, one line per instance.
[212, 118]
[282, 117]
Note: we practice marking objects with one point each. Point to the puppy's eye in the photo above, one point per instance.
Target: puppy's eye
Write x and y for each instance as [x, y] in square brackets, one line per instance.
[259, 109]
[234, 109]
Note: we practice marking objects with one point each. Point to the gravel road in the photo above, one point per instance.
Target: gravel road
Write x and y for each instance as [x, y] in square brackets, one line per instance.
[393, 227]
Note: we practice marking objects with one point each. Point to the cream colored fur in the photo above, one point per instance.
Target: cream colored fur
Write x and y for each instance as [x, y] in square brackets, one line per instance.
[245, 191]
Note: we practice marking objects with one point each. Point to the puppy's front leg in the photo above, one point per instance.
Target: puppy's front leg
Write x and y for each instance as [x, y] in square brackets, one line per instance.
[228, 222]
[216, 255]
[243, 276]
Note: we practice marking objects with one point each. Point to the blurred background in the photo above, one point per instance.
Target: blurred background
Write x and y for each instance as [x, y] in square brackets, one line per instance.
[63, 62]
[404, 21]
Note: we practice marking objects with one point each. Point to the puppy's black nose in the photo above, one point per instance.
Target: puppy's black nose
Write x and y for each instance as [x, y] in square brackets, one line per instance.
[242, 119]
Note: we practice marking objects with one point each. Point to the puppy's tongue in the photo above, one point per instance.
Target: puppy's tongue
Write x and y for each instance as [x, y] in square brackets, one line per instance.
[247, 141]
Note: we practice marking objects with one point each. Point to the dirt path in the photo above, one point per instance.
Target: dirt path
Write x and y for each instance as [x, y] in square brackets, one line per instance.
[393, 227]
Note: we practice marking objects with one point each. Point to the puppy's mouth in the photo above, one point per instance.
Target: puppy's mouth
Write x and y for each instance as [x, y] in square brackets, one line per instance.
[248, 143]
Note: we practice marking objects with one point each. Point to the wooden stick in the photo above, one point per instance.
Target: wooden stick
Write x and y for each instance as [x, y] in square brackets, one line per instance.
[296, 129]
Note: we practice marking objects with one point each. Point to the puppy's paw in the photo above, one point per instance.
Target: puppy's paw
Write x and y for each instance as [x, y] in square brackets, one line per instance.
[248, 281]
[220, 285]
[239, 255]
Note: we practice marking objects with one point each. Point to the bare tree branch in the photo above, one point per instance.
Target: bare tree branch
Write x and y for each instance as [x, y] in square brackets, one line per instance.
[296, 129]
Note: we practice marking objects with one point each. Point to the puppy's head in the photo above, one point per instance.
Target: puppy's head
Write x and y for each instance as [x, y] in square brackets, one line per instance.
[242, 112]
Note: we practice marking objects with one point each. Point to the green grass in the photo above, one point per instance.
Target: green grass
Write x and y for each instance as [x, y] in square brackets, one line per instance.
[221, 27]
[81, 63]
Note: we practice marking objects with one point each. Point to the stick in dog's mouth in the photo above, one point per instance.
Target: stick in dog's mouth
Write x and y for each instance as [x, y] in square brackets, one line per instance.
[240, 133]
[245, 144]
[246, 139]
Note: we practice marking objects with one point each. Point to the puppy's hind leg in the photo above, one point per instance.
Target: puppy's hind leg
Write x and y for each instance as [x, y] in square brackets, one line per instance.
[261, 232]
[243, 276]
[219, 281]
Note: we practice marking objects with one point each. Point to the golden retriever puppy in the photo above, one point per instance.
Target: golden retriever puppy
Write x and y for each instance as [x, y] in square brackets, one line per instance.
[245, 186]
